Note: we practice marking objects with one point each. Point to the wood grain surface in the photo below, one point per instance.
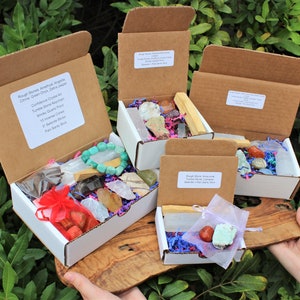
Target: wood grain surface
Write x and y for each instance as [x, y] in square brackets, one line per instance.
[132, 257]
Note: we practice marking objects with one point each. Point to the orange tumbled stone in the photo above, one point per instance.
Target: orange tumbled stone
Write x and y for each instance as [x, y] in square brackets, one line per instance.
[256, 152]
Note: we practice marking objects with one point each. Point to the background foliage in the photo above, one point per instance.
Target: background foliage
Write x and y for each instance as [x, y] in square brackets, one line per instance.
[27, 268]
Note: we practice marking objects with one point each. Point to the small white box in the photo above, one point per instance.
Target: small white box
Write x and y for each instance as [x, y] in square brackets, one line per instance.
[153, 54]
[28, 148]
[255, 95]
[209, 168]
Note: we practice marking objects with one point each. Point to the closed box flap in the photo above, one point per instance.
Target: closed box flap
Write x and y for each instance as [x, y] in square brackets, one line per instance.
[198, 171]
[153, 52]
[51, 107]
[158, 19]
[247, 92]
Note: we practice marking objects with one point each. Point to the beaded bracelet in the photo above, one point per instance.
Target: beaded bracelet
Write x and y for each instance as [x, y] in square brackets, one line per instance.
[101, 168]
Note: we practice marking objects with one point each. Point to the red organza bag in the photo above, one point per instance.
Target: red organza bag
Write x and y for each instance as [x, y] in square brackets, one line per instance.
[66, 214]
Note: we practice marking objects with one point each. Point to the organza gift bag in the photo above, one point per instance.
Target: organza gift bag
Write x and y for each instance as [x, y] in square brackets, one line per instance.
[67, 214]
[219, 211]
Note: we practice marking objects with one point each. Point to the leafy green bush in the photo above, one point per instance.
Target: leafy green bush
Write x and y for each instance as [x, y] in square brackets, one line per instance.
[31, 24]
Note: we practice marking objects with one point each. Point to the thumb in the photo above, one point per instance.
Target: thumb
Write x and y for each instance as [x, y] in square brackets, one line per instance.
[298, 215]
[88, 290]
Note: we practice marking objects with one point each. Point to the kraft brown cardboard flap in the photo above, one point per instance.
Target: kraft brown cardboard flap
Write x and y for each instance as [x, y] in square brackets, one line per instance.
[275, 119]
[250, 64]
[157, 19]
[171, 165]
[155, 37]
[200, 147]
[33, 60]
[17, 159]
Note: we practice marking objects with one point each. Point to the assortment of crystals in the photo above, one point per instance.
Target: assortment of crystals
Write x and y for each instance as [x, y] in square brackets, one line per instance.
[268, 157]
[101, 189]
[158, 120]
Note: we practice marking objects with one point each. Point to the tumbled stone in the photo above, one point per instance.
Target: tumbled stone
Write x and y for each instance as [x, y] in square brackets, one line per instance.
[255, 152]
[149, 176]
[136, 183]
[224, 235]
[157, 127]
[109, 199]
[259, 163]
[148, 110]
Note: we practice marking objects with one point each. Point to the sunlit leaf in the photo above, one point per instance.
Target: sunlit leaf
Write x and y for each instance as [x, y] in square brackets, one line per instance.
[200, 28]
[174, 288]
[18, 250]
[9, 278]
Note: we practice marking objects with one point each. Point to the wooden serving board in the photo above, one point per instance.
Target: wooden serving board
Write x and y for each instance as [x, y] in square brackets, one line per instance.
[132, 257]
[277, 219]
[125, 261]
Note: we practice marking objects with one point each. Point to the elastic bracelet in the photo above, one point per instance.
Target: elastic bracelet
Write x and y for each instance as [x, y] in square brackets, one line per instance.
[100, 167]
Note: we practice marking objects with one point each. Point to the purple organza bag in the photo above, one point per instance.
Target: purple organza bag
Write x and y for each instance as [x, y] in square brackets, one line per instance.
[219, 211]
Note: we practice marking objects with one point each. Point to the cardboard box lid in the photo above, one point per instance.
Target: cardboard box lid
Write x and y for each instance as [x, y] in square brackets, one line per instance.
[161, 31]
[67, 59]
[274, 76]
[158, 19]
[184, 155]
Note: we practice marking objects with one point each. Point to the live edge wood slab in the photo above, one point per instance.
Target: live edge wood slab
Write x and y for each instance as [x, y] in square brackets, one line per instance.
[132, 257]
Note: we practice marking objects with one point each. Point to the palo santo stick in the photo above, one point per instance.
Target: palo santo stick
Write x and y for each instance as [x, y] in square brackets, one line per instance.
[240, 143]
[178, 209]
[189, 110]
[89, 172]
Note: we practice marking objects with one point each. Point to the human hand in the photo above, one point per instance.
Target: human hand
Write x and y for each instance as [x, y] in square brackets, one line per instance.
[288, 253]
[89, 291]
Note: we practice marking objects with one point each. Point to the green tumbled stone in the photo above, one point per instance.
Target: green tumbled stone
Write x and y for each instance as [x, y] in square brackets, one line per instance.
[111, 146]
[124, 156]
[93, 150]
[102, 146]
[85, 156]
[119, 149]
[149, 176]
[101, 168]
[91, 163]
[119, 170]
[110, 170]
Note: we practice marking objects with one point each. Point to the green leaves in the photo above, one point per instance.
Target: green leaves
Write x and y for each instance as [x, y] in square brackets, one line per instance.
[32, 24]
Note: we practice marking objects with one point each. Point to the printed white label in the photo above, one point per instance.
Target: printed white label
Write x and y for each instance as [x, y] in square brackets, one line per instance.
[153, 59]
[199, 180]
[248, 100]
[48, 109]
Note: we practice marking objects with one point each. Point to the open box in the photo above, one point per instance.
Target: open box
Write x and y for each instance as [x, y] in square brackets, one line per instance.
[255, 95]
[191, 173]
[51, 108]
[153, 55]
